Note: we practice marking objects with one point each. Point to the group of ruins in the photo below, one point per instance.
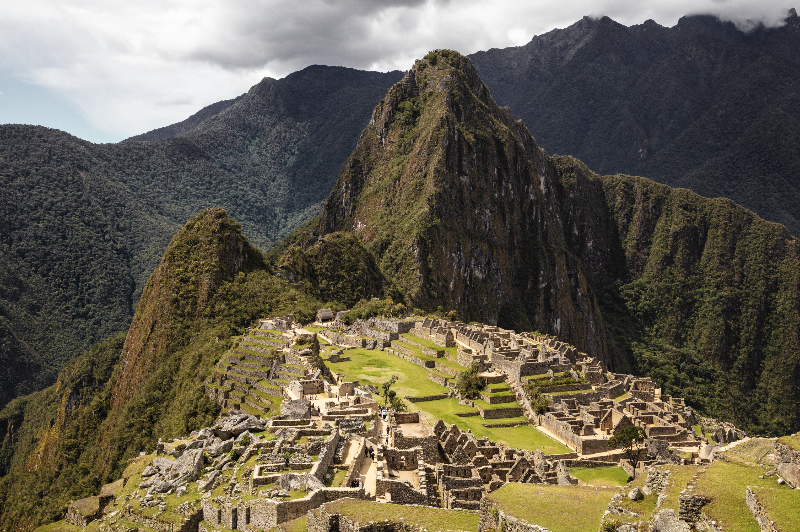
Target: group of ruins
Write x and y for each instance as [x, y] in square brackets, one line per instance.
[334, 439]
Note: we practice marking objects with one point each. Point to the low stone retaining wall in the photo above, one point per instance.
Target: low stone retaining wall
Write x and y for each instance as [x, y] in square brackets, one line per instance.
[565, 388]
[436, 353]
[269, 390]
[438, 379]
[759, 512]
[500, 425]
[499, 413]
[413, 359]
[787, 462]
[498, 399]
[467, 414]
[492, 518]
[446, 370]
[426, 398]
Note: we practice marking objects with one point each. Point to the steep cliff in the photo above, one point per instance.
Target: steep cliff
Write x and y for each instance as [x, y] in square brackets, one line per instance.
[463, 210]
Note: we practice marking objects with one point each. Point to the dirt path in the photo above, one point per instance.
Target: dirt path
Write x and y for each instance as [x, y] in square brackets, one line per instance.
[368, 474]
[352, 449]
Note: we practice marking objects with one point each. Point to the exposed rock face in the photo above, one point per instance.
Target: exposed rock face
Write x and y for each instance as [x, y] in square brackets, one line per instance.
[787, 463]
[295, 482]
[297, 409]
[667, 521]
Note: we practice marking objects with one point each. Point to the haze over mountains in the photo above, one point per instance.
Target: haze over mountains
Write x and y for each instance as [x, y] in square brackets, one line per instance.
[700, 105]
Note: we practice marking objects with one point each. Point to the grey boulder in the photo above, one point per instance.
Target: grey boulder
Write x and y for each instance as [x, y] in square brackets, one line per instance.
[220, 448]
[187, 468]
[635, 494]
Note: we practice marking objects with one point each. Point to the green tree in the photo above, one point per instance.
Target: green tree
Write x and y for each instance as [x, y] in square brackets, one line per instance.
[631, 439]
[469, 383]
[539, 402]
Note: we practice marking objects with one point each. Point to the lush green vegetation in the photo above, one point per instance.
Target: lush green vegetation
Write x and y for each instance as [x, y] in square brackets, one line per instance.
[469, 383]
[649, 109]
[601, 476]
[781, 506]
[544, 504]
[336, 268]
[376, 367]
[78, 434]
[82, 226]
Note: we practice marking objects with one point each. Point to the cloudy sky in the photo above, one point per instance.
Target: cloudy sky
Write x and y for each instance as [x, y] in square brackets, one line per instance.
[104, 70]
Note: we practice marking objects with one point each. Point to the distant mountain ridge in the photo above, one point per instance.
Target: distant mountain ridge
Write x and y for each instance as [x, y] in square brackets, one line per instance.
[83, 225]
[701, 105]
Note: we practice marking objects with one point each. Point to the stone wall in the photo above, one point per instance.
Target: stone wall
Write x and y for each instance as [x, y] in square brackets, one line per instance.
[438, 379]
[446, 370]
[787, 462]
[497, 413]
[345, 340]
[355, 466]
[690, 507]
[325, 456]
[405, 354]
[580, 397]
[268, 513]
[759, 513]
[395, 326]
[492, 519]
[426, 398]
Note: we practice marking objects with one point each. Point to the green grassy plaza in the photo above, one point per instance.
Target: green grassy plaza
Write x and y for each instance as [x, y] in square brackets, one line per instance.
[376, 367]
[546, 505]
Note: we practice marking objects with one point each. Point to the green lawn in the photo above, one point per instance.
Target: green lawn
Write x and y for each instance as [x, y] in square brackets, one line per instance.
[782, 505]
[433, 519]
[557, 508]
[376, 367]
[524, 437]
[644, 508]
[792, 441]
[601, 476]
[679, 477]
[726, 483]
[338, 478]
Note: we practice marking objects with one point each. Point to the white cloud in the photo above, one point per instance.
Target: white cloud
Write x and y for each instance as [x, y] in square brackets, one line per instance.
[133, 66]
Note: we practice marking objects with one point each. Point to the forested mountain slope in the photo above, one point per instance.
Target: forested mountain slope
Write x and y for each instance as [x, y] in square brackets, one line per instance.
[701, 105]
[117, 399]
[464, 211]
[83, 225]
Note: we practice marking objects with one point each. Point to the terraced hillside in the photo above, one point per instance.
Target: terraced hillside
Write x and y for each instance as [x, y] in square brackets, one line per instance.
[250, 376]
